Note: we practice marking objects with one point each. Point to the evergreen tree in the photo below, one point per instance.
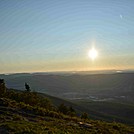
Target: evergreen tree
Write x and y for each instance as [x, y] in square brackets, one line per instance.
[71, 111]
[27, 87]
[63, 109]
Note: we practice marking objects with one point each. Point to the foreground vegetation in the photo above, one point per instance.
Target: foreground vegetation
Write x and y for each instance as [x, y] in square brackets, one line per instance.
[28, 112]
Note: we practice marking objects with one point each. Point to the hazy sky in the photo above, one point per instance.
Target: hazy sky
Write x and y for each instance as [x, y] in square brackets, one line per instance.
[56, 35]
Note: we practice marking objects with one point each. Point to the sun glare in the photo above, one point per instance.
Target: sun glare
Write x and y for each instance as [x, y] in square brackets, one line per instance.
[93, 54]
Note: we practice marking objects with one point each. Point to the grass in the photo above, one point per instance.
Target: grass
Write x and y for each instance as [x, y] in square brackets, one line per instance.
[20, 118]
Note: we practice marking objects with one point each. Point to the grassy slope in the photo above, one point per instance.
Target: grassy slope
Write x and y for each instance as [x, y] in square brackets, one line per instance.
[16, 118]
[110, 111]
[106, 111]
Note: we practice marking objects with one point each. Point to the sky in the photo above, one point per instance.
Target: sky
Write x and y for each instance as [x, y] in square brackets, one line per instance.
[56, 35]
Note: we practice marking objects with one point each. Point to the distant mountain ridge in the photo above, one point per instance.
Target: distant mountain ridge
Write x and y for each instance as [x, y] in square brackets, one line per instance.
[70, 82]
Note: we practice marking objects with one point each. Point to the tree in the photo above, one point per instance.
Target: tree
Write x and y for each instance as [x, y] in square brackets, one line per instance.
[63, 109]
[71, 111]
[27, 87]
[84, 116]
[2, 87]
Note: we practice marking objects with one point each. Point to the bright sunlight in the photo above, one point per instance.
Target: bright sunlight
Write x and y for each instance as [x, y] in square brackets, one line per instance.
[93, 54]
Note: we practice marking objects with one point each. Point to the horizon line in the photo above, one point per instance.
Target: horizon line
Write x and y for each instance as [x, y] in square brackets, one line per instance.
[73, 71]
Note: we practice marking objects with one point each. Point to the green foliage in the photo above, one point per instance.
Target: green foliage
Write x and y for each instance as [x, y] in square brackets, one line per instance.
[84, 116]
[60, 126]
[66, 110]
[63, 109]
[33, 103]
[31, 98]
[19, 118]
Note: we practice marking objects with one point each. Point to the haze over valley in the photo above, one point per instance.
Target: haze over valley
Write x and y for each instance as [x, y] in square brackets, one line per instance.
[96, 87]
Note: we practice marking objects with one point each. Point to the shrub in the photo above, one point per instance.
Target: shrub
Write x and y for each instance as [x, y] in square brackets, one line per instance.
[2, 88]
[84, 116]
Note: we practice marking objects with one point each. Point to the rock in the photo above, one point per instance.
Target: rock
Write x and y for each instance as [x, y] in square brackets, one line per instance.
[85, 125]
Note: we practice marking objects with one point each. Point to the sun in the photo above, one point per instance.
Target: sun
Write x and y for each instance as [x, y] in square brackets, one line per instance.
[93, 54]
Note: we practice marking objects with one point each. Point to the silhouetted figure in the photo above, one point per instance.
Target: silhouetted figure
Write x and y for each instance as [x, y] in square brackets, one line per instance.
[27, 87]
